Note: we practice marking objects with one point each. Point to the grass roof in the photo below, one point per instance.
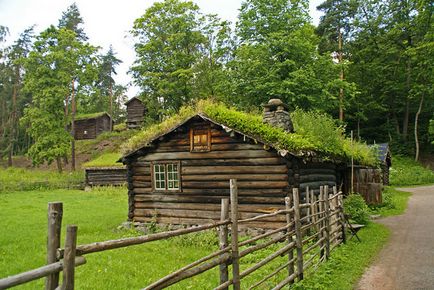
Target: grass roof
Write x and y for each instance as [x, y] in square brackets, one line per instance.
[105, 160]
[89, 116]
[314, 132]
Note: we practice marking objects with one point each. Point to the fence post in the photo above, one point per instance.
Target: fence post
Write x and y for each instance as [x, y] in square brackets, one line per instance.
[308, 201]
[69, 258]
[223, 239]
[298, 234]
[234, 234]
[289, 239]
[313, 209]
[55, 213]
[321, 218]
[327, 221]
[342, 218]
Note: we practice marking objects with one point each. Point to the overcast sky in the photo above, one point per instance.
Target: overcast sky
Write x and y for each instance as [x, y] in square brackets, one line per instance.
[105, 21]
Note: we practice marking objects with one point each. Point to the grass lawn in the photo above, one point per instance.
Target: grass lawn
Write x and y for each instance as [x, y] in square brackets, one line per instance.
[97, 214]
[405, 171]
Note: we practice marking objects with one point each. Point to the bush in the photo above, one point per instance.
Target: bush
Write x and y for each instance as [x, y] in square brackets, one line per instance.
[406, 171]
[356, 207]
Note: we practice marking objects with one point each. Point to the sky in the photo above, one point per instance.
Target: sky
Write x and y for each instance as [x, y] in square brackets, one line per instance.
[106, 22]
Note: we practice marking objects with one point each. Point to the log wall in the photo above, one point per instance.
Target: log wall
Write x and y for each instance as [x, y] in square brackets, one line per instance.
[106, 176]
[264, 180]
[315, 174]
[91, 128]
[135, 114]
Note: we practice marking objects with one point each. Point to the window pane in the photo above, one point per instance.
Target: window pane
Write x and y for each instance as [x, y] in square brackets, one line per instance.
[172, 176]
[159, 178]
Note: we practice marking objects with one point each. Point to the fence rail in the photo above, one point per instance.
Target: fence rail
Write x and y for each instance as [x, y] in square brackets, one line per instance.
[313, 228]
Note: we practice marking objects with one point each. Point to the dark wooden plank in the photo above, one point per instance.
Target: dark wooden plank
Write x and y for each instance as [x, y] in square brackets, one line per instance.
[241, 184]
[241, 177]
[207, 155]
[234, 169]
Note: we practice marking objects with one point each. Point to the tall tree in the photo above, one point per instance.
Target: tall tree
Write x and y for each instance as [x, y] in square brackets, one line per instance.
[106, 83]
[168, 41]
[71, 19]
[58, 66]
[16, 55]
[277, 57]
[334, 28]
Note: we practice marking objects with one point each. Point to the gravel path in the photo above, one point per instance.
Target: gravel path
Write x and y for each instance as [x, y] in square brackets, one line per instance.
[407, 260]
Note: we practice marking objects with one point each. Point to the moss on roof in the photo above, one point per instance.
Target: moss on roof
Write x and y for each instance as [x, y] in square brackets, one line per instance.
[89, 116]
[314, 132]
[105, 160]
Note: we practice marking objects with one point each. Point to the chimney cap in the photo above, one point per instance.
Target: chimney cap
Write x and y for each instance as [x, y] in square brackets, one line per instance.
[274, 103]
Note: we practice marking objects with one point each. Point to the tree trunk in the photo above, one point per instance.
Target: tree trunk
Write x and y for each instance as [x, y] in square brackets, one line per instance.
[406, 120]
[341, 76]
[111, 104]
[416, 120]
[73, 109]
[59, 164]
[13, 118]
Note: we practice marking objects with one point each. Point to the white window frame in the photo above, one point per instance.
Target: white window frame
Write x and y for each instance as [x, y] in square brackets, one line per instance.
[165, 177]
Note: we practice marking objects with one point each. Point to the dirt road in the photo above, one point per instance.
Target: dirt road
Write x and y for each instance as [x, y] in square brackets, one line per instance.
[407, 261]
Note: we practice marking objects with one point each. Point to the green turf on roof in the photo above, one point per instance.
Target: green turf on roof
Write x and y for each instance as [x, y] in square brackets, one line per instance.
[314, 132]
[105, 160]
[89, 116]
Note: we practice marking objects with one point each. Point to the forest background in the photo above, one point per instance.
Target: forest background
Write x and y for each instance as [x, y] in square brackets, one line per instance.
[368, 63]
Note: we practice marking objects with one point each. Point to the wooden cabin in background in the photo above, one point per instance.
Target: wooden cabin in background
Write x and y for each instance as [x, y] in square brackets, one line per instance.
[182, 175]
[135, 113]
[385, 158]
[89, 126]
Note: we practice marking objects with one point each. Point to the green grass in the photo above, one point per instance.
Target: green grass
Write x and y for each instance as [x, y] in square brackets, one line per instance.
[18, 179]
[348, 262]
[97, 214]
[405, 171]
[105, 160]
[394, 202]
[89, 116]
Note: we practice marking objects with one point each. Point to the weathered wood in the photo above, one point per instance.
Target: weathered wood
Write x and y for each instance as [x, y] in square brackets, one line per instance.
[321, 217]
[241, 184]
[106, 176]
[35, 274]
[55, 213]
[69, 258]
[234, 161]
[223, 239]
[239, 177]
[233, 169]
[257, 208]
[298, 234]
[317, 177]
[234, 234]
[289, 238]
[191, 272]
[206, 155]
[327, 221]
[120, 243]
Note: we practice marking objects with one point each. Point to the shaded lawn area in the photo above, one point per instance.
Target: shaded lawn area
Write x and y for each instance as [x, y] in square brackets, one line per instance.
[23, 223]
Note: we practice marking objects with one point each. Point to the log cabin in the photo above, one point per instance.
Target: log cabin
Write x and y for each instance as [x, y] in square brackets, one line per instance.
[135, 113]
[385, 159]
[180, 175]
[89, 126]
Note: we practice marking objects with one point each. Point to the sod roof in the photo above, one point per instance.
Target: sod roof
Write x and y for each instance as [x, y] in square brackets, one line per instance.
[90, 116]
[316, 134]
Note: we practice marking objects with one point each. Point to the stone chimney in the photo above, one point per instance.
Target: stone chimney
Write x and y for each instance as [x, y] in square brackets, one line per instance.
[276, 114]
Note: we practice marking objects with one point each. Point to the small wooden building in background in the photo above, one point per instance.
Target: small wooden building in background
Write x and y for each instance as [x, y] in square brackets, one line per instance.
[89, 126]
[135, 113]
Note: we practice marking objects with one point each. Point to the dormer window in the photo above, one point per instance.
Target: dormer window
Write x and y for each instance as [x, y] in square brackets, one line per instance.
[200, 139]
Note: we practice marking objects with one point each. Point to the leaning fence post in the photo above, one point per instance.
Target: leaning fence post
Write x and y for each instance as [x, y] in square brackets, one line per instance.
[327, 221]
[234, 234]
[223, 239]
[298, 234]
[69, 258]
[289, 238]
[55, 213]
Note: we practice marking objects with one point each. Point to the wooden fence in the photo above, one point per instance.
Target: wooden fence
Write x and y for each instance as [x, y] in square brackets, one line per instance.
[312, 230]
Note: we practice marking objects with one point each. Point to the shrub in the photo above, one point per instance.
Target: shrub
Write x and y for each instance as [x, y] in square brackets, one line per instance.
[406, 171]
[120, 127]
[356, 207]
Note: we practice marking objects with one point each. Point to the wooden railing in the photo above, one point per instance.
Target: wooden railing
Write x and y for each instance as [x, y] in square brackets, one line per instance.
[311, 230]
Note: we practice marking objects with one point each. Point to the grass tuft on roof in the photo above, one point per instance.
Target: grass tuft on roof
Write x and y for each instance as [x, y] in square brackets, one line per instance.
[314, 132]
[89, 116]
[105, 160]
